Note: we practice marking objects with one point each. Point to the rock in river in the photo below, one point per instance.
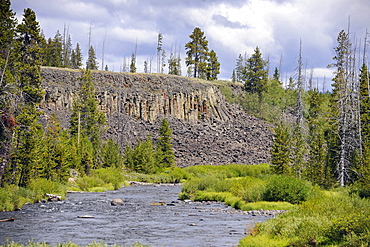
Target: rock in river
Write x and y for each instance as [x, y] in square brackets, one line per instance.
[116, 202]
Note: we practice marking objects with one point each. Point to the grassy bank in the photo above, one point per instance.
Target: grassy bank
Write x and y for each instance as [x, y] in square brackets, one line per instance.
[13, 197]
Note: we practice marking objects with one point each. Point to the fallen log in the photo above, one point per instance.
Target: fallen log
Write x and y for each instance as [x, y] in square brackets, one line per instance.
[4, 220]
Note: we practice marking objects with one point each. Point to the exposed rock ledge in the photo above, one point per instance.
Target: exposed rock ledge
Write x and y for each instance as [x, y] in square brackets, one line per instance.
[206, 130]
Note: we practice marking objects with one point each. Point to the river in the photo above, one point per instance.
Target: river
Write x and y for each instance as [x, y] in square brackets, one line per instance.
[151, 215]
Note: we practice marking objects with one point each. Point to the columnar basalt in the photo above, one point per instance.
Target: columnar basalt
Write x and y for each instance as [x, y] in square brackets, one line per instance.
[206, 130]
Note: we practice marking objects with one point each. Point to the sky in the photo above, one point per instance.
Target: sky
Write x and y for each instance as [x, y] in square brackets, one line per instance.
[232, 27]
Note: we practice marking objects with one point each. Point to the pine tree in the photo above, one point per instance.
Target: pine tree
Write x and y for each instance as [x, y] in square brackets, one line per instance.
[365, 123]
[27, 135]
[233, 76]
[276, 76]
[133, 63]
[92, 63]
[76, 57]
[87, 121]
[256, 75]
[197, 53]
[165, 155]
[240, 69]
[280, 152]
[7, 80]
[213, 68]
[317, 171]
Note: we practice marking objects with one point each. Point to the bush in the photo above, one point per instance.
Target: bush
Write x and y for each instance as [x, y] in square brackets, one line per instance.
[111, 176]
[85, 183]
[288, 189]
[249, 188]
[41, 186]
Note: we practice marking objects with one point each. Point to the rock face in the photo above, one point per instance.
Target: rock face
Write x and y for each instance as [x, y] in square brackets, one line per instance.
[206, 130]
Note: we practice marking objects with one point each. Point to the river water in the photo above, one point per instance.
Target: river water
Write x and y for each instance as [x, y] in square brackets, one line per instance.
[151, 215]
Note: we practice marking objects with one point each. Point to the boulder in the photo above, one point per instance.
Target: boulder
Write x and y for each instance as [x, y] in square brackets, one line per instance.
[116, 202]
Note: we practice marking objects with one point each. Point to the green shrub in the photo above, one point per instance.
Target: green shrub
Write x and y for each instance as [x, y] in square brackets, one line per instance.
[41, 186]
[249, 188]
[110, 176]
[288, 189]
[85, 183]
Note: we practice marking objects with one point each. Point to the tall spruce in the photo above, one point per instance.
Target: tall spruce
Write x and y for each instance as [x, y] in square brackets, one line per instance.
[213, 68]
[7, 81]
[197, 53]
[256, 75]
[365, 123]
[76, 57]
[166, 157]
[281, 151]
[91, 63]
[87, 122]
[29, 131]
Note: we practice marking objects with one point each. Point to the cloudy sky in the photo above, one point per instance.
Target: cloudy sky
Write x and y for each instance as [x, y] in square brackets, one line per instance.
[232, 27]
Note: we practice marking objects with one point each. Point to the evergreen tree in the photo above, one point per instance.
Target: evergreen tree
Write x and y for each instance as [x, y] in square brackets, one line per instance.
[92, 63]
[233, 76]
[133, 63]
[76, 57]
[142, 157]
[166, 157]
[365, 123]
[174, 64]
[197, 53]
[51, 162]
[240, 69]
[281, 152]
[276, 75]
[111, 155]
[256, 75]
[27, 135]
[317, 171]
[213, 68]
[56, 53]
[7, 80]
[87, 121]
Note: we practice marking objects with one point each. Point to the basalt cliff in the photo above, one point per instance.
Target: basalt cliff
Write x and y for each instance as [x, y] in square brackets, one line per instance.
[206, 129]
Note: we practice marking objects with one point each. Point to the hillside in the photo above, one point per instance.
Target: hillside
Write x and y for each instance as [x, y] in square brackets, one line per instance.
[206, 129]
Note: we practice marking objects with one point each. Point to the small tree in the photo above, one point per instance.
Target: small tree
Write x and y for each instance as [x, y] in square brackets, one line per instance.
[280, 153]
[213, 68]
[166, 157]
[92, 63]
[197, 53]
[256, 74]
[133, 63]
